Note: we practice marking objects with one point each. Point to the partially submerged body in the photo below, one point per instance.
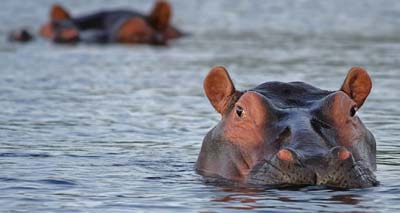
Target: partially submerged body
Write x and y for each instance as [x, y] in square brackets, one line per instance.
[110, 26]
[289, 134]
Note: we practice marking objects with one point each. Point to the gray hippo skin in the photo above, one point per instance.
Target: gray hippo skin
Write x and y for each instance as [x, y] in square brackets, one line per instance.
[289, 134]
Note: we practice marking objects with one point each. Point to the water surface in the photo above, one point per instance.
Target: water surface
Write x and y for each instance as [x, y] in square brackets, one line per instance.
[116, 128]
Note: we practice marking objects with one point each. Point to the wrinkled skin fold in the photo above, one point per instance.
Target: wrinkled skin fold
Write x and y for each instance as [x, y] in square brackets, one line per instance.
[290, 134]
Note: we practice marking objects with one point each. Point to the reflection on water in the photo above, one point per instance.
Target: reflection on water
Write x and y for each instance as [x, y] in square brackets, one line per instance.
[245, 198]
[91, 128]
[262, 201]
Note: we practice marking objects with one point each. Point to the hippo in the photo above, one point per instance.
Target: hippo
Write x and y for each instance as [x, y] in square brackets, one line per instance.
[289, 134]
[111, 26]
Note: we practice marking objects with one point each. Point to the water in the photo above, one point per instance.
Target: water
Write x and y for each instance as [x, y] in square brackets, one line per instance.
[115, 128]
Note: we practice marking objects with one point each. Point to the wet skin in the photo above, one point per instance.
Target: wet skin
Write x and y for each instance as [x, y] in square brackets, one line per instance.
[289, 134]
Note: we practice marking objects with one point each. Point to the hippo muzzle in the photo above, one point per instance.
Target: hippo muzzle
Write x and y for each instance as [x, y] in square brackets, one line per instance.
[338, 169]
[289, 134]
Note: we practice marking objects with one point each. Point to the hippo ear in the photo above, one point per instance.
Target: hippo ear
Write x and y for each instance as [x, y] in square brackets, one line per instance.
[160, 15]
[58, 13]
[219, 88]
[357, 85]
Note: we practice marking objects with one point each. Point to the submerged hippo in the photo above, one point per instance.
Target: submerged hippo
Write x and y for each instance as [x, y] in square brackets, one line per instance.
[289, 134]
[110, 26]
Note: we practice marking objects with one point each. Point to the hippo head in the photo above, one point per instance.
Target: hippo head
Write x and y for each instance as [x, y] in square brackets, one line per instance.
[57, 14]
[288, 134]
[59, 28]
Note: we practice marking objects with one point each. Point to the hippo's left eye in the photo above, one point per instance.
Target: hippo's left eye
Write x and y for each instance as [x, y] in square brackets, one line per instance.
[239, 111]
[353, 111]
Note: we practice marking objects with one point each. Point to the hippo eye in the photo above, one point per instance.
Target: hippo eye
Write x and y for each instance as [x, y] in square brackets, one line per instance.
[239, 111]
[353, 111]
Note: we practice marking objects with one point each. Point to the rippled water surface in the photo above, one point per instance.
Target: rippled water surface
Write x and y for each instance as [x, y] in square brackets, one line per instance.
[115, 128]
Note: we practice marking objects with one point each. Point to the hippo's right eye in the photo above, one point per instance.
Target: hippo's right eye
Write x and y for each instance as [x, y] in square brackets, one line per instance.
[239, 111]
[353, 111]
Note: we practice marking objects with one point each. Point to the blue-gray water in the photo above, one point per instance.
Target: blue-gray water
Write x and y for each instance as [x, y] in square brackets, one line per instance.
[115, 128]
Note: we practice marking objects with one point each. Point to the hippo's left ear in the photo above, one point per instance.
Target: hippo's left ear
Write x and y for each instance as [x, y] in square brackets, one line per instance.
[357, 85]
[59, 13]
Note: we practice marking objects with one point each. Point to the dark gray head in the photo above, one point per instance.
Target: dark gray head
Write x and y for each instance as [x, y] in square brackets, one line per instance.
[289, 133]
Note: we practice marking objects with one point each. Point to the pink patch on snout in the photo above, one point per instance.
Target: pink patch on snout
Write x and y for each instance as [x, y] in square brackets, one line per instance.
[285, 155]
[343, 154]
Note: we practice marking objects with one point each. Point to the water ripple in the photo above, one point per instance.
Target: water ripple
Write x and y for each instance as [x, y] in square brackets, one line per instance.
[115, 128]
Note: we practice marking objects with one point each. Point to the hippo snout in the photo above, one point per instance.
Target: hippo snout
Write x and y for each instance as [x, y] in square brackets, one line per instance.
[337, 169]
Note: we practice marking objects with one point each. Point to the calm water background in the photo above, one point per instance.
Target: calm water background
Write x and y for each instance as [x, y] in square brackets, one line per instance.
[115, 128]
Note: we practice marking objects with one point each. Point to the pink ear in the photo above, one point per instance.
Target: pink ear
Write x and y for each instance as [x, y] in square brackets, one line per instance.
[219, 88]
[161, 15]
[357, 85]
[58, 13]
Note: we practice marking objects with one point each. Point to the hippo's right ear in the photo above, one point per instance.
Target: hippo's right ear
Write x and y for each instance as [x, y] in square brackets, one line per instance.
[58, 13]
[160, 15]
[357, 85]
[219, 88]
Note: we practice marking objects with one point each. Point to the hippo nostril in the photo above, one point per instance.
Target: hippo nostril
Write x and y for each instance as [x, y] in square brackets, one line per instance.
[344, 154]
[285, 155]
[341, 153]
